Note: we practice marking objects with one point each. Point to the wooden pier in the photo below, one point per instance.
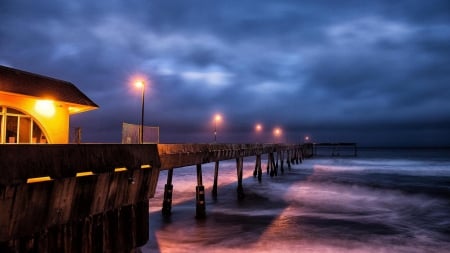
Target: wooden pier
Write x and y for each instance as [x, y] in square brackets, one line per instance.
[94, 197]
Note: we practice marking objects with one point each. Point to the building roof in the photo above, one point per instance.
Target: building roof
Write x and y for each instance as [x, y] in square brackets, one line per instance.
[30, 84]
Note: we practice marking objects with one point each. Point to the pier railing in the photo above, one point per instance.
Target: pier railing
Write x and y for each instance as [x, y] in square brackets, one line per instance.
[181, 155]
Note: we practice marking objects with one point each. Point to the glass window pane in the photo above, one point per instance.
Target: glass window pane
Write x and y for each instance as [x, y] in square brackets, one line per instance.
[13, 111]
[11, 129]
[24, 130]
[38, 135]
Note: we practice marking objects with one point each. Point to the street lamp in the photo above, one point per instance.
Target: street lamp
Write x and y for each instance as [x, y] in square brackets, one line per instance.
[277, 132]
[217, 118]
[258, 129]
[141, 85]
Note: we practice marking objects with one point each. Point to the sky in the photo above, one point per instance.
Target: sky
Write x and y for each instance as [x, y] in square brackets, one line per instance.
[372, 72]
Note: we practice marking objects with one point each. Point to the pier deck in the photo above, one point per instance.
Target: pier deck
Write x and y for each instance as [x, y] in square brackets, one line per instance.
[94, 197]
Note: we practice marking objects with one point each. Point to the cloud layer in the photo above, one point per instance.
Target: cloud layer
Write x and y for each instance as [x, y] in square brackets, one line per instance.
[374, 73]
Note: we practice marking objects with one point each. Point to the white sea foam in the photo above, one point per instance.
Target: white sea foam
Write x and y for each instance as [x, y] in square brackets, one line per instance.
[322, 205]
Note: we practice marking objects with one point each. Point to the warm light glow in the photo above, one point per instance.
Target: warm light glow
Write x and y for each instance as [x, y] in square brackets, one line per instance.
[277, 131]
[38, 179]
[73, 109]
[218, 117]
[306, 138]
[139, 84]
[45, 107]
[258, 127]
[83, 174]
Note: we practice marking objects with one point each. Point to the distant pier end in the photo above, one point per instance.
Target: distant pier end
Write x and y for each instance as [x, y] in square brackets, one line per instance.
[334, 149]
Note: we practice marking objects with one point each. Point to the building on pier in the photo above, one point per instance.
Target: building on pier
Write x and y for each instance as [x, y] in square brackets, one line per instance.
[36, 108]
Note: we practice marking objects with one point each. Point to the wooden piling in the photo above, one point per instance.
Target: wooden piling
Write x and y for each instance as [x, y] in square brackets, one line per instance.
[216, 175]
[168, 190]
[200, 212]
[288, 159]
[271, 164]
[258, 167]
[255, 171]
[239, 170]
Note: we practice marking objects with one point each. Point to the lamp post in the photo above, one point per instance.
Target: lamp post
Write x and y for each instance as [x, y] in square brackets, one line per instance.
[140, 84]
[217, 118]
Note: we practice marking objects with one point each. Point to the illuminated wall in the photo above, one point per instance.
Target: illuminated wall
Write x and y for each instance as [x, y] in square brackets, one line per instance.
[51, 116]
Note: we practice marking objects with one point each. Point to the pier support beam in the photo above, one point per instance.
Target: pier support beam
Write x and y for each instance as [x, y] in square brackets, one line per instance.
[276, 162]
[282, 161]
[168, 190]
[200, 195]
[239, 169]
[288, 159]
[294, 156]
[271, 165]
[216, 175]
[258, 169]
[300, 154]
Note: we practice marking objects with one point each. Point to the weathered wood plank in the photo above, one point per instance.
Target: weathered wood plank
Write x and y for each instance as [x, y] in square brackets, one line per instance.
[22, 161]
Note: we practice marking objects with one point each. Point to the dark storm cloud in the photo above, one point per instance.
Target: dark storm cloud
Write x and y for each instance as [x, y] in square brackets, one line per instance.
[339, 71]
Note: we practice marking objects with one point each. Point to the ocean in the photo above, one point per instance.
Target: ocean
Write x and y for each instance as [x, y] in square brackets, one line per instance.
[383, 200]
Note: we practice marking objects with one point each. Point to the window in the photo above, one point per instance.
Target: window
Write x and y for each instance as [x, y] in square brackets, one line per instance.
[17, 127]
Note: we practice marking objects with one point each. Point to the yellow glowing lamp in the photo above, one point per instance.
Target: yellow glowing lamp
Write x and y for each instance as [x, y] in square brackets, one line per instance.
[45, 107]
[139, 84]
[277, 131]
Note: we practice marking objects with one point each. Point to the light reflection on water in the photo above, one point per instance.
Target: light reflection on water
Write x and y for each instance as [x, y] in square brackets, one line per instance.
[322, 205]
